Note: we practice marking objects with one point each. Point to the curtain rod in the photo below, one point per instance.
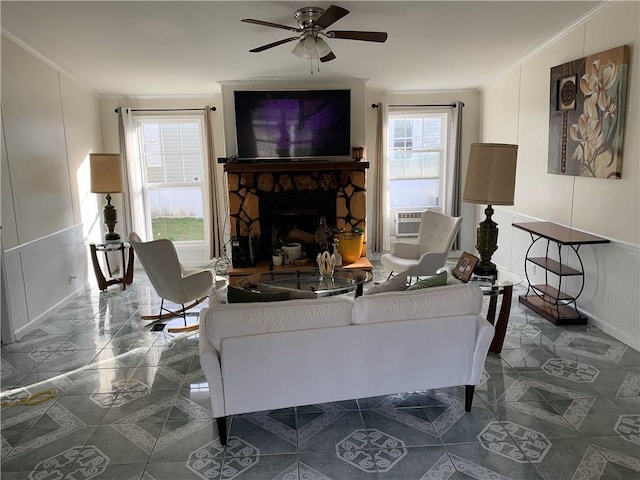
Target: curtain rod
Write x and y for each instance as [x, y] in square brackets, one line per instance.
[453, 104]
[213, 109]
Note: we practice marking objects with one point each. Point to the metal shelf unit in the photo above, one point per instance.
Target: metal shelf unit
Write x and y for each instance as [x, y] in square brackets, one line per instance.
[545, 299]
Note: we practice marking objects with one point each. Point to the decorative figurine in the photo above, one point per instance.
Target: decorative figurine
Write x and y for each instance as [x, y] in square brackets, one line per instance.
[326, 263]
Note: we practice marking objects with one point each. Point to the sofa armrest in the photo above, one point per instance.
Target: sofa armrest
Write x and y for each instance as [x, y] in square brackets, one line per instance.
[484, 335]
[210, 363]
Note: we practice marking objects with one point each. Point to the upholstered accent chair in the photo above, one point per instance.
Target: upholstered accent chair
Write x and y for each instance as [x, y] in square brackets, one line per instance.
[435, 240]
[170, 279]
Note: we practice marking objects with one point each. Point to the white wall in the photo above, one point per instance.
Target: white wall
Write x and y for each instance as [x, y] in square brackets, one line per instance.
[35, 143]
[50, 124]
[470, 134]
[516, 110]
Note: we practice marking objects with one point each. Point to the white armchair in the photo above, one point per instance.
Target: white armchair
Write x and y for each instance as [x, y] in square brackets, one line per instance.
[170, 279]
[435, 239]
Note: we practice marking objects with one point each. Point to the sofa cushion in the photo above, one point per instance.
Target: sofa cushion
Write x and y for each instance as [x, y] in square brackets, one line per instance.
[433, 281]
[225, 321]
[396, 284]
[415, 304]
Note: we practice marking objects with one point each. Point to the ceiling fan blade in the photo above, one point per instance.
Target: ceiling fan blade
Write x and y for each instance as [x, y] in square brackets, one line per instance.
[269, 24]
[330, 16]
[271, 45]
[328, 57]
[356, 35]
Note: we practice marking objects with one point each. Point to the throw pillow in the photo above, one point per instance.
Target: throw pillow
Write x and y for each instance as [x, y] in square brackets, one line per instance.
[215, 298]
[293, 293]
[435, 281]
[395, 284]
[240, 295]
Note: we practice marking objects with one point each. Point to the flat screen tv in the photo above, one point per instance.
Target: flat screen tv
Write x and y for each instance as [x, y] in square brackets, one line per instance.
[293, 125]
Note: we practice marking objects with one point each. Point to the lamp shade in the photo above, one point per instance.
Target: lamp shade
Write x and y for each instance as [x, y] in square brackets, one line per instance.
[491, 174]
[106, 173]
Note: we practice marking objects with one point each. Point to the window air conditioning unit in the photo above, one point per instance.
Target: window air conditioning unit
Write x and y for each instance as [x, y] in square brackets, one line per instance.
[408, 224]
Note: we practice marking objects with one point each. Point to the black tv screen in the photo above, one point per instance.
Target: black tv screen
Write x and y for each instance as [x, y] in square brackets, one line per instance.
[293, 124]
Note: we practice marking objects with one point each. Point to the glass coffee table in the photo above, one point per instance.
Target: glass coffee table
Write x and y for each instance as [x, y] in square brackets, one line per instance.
[308, 279]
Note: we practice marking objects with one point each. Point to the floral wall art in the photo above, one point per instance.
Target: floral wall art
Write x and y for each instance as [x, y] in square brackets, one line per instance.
[586, 115]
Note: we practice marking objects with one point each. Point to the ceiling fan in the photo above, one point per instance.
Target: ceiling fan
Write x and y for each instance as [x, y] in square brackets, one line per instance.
[311, 24]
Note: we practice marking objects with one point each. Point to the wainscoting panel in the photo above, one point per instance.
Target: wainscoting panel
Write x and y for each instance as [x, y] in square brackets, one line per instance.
[612, 274]
[13, 283]
[43, 275]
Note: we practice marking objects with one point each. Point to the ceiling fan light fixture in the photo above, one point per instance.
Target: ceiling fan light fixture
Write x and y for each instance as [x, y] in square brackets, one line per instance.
[298, 50]
[312, 22]
[323, 48]
[311, 48]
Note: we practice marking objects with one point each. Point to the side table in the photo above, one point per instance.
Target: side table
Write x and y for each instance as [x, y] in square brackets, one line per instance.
[126, 265]
[502, 286]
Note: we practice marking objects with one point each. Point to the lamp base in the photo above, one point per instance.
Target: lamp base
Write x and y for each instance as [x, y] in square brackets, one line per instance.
[489, 270]
[110, 219]
[111, 236]
[487, 244]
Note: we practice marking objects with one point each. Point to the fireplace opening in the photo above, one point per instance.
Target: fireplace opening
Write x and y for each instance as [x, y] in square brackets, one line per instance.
[294, 217]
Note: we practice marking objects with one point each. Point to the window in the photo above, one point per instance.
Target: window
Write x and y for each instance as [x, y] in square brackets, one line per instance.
[416, 160]
[172, 159]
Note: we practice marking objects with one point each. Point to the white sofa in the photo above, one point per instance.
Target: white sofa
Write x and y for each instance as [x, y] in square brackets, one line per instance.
[264, 356]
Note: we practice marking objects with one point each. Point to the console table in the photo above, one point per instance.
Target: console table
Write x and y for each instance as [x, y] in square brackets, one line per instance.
[546, 300]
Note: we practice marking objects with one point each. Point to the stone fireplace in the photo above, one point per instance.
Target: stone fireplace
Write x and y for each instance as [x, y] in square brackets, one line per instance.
[272, 203]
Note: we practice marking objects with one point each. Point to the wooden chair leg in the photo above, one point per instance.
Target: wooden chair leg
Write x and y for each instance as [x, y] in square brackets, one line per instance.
[186, 328]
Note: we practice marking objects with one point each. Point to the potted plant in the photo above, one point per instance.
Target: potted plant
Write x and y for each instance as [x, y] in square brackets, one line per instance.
[277, 256]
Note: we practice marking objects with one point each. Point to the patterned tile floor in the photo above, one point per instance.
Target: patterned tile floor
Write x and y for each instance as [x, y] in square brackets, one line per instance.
[557, 404]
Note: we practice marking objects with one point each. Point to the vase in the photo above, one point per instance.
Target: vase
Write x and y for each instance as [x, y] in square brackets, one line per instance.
[349, 246]
[276, 260]
[323, 234]
[326, 264]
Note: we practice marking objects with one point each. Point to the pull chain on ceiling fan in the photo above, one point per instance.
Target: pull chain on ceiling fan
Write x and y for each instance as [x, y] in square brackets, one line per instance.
[311, 24]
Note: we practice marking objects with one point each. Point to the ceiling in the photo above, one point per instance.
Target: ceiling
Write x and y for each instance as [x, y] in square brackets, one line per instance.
[133, 48]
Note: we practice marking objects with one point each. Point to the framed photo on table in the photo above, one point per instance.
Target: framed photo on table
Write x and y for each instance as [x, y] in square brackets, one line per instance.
[464, 267]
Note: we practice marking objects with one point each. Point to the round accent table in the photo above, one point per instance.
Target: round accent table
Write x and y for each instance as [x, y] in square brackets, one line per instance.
[309, 279]
[502, 286]
[126, 263]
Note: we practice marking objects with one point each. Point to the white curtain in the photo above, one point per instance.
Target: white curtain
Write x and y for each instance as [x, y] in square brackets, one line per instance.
[379, 226]
[452, 175]
[134, 218]
[217, 192]
[453, 198]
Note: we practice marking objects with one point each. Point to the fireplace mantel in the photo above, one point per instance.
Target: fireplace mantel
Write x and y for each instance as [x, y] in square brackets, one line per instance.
[247, 167]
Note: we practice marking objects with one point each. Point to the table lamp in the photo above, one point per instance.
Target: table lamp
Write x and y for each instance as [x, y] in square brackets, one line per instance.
[107, 177]
[491, 179]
